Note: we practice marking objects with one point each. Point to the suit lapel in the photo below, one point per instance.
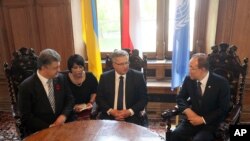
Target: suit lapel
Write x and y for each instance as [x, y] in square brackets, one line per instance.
[41, 89]
[128, 86]
[41, 93]
[55, 86]
[112, 85]
[208, 87]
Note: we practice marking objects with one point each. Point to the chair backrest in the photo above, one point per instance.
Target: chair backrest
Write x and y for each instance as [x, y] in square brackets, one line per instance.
[23, 64]
[136, 62]
[224, 61]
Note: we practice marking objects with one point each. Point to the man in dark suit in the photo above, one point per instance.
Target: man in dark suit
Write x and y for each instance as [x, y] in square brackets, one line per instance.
[209, 97]
[122, 92]
[45, 99]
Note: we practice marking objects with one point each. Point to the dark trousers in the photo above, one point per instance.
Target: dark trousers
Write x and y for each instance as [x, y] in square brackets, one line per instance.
[186, 132]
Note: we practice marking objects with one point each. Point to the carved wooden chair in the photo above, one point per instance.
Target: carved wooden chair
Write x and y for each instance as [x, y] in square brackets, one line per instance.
[224, 61]
[136, 63]
[22, 65]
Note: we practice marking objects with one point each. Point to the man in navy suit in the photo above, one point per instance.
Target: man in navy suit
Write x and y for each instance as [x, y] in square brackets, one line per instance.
[209, 97]
[125, 104]
[43, 104]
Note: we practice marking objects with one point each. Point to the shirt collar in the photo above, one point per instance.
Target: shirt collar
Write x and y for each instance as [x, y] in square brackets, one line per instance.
[43, 79]
[117, 75]
[204, 80]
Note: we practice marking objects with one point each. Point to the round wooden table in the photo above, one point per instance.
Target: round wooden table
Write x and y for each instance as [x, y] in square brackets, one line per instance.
[95, 130]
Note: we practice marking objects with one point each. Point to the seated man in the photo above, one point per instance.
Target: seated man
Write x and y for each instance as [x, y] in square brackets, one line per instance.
[209, 96]
[45, 99]
[122, 92]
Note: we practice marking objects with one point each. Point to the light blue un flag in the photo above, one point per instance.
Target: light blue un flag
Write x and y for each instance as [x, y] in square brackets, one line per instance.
[180, 54]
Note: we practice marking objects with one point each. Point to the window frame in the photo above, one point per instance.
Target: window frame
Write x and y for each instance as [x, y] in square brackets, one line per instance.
[162, 31]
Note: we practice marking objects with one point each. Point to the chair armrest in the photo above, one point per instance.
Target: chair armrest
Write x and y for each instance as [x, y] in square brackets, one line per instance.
[169, 113]
[144, 117]
[94, 112]
[231, 119]
[233, 116]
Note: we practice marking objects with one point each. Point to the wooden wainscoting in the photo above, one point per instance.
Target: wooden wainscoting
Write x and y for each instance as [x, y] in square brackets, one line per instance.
[161, 97]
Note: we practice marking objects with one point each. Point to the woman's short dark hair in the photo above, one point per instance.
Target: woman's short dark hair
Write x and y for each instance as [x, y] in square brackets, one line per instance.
[75, 59]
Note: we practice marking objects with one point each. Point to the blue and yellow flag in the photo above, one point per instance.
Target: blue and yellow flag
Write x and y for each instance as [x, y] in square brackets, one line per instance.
[90, 36]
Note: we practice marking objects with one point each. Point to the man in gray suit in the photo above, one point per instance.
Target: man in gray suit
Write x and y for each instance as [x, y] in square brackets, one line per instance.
[209, 97]
[122, 92]
[45, 99]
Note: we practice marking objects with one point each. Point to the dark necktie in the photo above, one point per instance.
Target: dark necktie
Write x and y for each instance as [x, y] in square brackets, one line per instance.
[51, 96]
[199, 91]
[120, 94]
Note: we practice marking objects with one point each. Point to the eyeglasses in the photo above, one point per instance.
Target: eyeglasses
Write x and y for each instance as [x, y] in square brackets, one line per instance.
[193, 69]
[122, 64]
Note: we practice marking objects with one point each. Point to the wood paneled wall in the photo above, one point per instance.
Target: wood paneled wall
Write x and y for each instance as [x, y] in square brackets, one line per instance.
[234, 27]
[37, 24]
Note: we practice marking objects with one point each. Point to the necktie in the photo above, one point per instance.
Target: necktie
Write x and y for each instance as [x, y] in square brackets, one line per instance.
[199, 91]
[120, 94]
[51, 96]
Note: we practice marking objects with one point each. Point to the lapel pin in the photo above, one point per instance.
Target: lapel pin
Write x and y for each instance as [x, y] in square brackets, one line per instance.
[209, 86]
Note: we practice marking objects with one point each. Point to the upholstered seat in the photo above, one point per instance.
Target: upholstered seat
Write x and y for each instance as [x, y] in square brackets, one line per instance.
[23, 64]
[224, 61]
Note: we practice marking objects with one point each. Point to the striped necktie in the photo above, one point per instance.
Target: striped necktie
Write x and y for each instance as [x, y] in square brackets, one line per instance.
[51, 96]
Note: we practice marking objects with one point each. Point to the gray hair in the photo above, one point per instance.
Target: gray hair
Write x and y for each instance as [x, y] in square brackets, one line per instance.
[47, 56]
[118, 53]
[202, 60]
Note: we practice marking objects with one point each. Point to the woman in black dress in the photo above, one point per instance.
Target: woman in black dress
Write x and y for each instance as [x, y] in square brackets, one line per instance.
[83, 86]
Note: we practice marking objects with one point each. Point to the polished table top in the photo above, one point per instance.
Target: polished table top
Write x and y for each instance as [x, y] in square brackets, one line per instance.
[95, 130]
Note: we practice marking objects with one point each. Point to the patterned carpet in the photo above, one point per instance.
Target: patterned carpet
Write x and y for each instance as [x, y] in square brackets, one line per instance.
[8, 130]
[157, 126]
[7, 127]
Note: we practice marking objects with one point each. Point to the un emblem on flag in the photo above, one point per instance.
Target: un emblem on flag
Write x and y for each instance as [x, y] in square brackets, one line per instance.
[182, 13]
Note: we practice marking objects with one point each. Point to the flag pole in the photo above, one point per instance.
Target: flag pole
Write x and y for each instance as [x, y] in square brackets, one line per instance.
[177, 116]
